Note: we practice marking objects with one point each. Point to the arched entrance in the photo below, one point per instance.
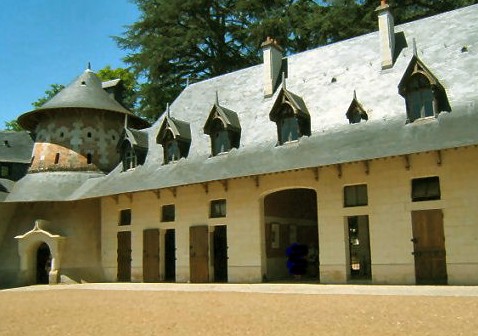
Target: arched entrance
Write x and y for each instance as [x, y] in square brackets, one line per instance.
[290, 221]
[40, 254]
[43, 264]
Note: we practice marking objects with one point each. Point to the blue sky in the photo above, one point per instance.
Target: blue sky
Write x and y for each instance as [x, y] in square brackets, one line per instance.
[51, 41]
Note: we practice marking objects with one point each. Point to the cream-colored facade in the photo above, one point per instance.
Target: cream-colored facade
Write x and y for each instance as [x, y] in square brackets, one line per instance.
[389, 211]
[375, 178]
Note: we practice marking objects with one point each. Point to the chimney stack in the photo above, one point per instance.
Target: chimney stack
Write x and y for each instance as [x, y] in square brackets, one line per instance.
[386, 33]
[272, 65]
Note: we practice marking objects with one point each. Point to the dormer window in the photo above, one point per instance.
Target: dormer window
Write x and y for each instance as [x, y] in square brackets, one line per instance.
[175, 137]
[291, 116]
[128, 156]
[133, 147]
[224, 129]
[220, 142]
[356, 113]
[288, 125]
[423, 93]
[419, 98]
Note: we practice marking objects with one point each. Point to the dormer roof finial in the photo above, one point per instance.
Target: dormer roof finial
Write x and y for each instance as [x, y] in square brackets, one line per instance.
[89, 66]
[283, 80]
[168, 110]
[415, 52]
[217, 98]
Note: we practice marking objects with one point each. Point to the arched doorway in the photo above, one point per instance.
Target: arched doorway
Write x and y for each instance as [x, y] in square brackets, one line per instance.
[290, 219]
[43, 264]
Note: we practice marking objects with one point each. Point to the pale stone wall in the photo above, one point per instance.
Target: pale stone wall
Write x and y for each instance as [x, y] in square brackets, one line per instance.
[389, 211]
[78, 222]
[74, 136]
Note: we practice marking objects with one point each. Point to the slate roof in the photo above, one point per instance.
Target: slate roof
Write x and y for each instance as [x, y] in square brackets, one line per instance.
[355, 65]
[15, 147]
[84, 92]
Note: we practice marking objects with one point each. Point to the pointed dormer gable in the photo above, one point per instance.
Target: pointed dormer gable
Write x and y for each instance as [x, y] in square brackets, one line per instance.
[229, 119]
[175, 137]
[356, 112]
[133, 148]
[224, 128]
[179, 129]
[425, 96]
[291, 115]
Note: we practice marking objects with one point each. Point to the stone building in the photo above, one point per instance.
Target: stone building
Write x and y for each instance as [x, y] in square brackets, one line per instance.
[364, 150]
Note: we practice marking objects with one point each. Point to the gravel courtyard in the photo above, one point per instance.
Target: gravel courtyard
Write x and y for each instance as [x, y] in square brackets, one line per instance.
[181, 309]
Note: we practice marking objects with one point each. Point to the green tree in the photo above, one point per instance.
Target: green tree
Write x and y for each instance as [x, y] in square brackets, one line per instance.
[13, 126]
[128, 79]
[49, 93]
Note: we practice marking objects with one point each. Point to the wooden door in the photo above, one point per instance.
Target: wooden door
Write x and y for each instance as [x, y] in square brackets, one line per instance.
[151, 255]
[220, 253]
[124, 256]
[199, 253]
[170, 255]
[429, 247]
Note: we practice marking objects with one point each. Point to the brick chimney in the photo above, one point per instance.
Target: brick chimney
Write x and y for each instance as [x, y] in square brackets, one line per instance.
[272, 65]
[386, 33]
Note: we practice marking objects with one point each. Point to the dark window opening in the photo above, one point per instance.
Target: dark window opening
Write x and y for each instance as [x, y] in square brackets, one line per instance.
[218, 208]
[355, 195]
[62, 135]
[88, 134]
[125, 217]
[360, 265]
[420, 98]
[426, 189]
[171, 148]
[220, 140]
[168, 213]
[89, 158]
[4, 171]
[290, 126]
[57, 158]
[129, 157]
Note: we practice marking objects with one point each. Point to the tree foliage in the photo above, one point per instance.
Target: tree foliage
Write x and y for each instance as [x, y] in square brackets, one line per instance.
[176, 42]
[13, 126]
[49, 93]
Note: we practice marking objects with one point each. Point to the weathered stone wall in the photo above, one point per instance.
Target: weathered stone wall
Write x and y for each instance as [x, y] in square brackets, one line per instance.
[68, 140]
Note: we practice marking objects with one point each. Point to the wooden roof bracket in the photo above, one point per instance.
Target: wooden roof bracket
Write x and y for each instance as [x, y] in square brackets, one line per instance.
[366, 164]
[407, 161]
[256, 179]
[439, 158]
[206, 187]
[339, 170]
[173, 191]
[316, 173]
[157, 192]
[116, 198]
[224, 184]
[130, 197]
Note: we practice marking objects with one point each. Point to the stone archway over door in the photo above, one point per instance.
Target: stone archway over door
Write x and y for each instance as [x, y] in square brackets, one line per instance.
[28, 246]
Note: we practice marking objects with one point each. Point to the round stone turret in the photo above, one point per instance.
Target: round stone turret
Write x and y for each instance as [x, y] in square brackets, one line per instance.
[78, 129]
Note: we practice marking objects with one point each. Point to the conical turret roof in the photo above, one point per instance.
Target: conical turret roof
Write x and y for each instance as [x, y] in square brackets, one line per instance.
[85, 92]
